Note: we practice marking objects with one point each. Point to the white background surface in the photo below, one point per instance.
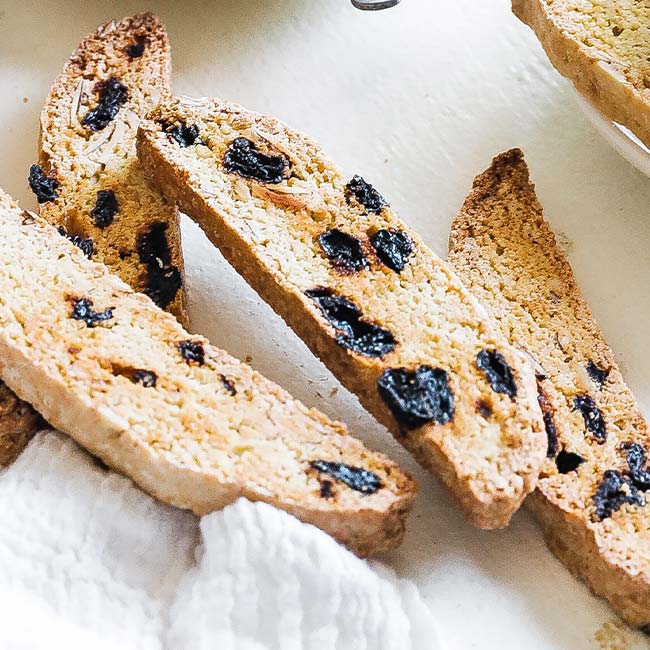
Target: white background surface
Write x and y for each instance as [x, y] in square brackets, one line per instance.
[417, 99]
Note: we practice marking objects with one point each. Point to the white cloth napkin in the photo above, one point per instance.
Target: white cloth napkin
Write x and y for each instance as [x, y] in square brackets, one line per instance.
[89, 561]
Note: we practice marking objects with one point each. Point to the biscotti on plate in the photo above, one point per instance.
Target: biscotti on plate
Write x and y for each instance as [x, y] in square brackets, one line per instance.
[88, 182]
[387, 316]
[18, 423]
[190, 424]
[603, 47]
[592, 496]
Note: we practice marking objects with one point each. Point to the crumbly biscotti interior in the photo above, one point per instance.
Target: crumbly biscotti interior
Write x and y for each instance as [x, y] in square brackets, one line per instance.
[592, 495]
[89, 183]
[186, 421]
[367, 295]
[18, 424]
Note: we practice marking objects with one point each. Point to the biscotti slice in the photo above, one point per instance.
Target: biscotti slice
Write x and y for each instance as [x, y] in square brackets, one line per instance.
[89, 182]
[603, 48]
[369, 298]
[186, 421]
[592, 496]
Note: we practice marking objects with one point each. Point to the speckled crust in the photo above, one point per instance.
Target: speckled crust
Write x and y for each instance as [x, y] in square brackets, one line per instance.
[196, 430]
[85, 162]
[18, 423]
[603, 48]
[270, 234]
[506, 253]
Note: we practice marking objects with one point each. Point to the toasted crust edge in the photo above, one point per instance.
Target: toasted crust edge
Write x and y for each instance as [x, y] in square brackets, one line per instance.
[569, 540]
[592, 77]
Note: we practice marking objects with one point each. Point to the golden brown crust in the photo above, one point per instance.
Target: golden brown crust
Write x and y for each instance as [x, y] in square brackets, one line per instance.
[85, 161]
[507, 254]
[187, 422]
[488, 463]
[18, 424]
[613, 80]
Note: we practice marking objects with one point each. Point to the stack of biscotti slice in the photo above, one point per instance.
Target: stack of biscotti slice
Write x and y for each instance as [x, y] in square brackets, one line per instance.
[186, 421]
[603, 47]
[371, 300]
[89, 182]
[593, 492]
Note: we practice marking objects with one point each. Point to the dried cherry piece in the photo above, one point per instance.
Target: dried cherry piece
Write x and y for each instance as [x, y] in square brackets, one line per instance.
[497, 371]
[636, 461]
[228, 384]
[44, 187]
[147, 378]
[418, 396]
[85, 245]
[365, 194]
[183, 134]
[355, 334]
[567, 461]
[82, 309]
[136, 49]
[163, 278]
[244, 158]
[106, 207]
[326, 491]
[357, 478]
[393, 248]
[598, 375]
[594, 421]
[112, 94]
[613, 491]
[343, 250]
[549, 423]
[192, 351]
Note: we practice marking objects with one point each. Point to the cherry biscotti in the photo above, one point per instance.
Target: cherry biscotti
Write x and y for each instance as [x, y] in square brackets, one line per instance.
[603, 47]
[591, 498]
[371, 300]
[186, 421]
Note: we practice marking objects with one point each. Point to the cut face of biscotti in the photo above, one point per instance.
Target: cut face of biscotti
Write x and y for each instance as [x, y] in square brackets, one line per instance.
[364, 292]
[190, 424]
[592, 496]
[603, 47]
[89, 182]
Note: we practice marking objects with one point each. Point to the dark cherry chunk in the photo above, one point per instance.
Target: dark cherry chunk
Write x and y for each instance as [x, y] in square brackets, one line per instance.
[393, 248]
[549, 423]
[592, 416]
[365, 194]
[164, 280]
[357, 478]
[567, 461]
[44, 187]
[183, 134]
[598, 375]
[145, 377]
[106, 207]
[343, 250]
[82, 309]
[636, 461]
[228, 384]
[112, 94]
[244, 158]
[418, 396]
[355, 334]
[192, 352]
[497, 371]
[84, 245]
[614, 491]
[136, 49]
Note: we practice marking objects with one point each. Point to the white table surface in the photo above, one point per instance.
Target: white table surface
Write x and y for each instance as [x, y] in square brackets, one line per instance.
[417, 99]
